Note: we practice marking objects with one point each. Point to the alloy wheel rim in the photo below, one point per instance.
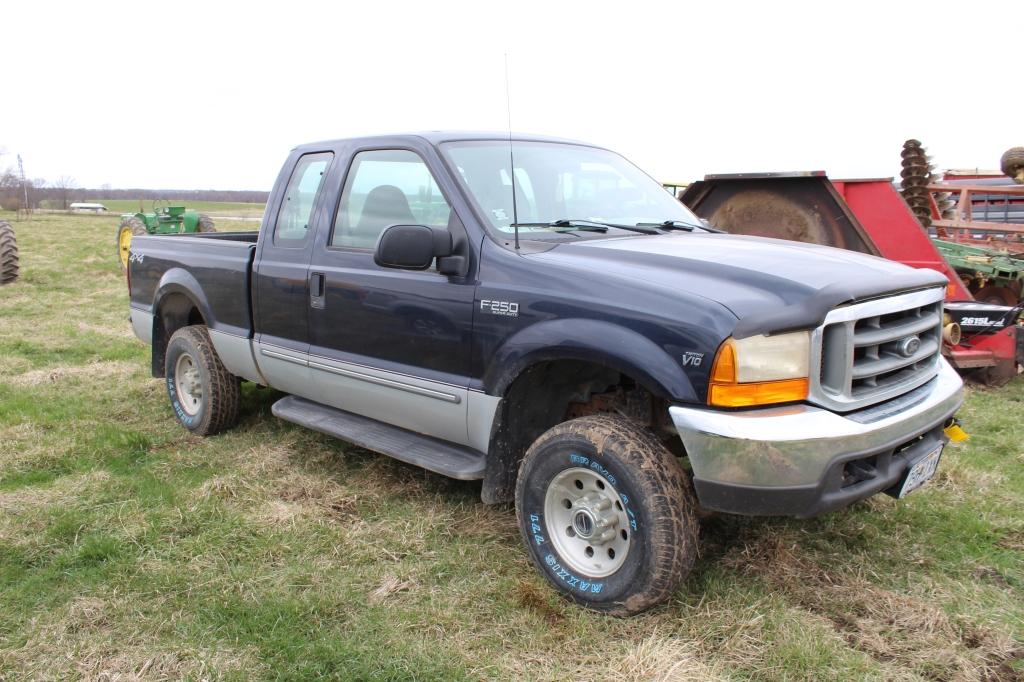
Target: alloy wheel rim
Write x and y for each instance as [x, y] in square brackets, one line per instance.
[188, 384]
[586, 522]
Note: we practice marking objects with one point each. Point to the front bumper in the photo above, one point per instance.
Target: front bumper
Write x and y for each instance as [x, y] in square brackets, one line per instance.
[801, 460]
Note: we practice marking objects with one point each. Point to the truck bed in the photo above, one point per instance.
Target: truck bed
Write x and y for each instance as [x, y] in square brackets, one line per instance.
[211, 269]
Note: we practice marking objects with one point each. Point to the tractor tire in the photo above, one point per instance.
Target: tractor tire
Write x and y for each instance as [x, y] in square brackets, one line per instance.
[205, 224]
[607, 514]
[129, 227]
[996, 294]
[205, 397]
[9, 265]
[1012, 164]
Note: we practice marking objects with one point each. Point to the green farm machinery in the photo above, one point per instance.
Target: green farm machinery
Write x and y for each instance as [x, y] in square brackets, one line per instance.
[992, 276]
[165, 219]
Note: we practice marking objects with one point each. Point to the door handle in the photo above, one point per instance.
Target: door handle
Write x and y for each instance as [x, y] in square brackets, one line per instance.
[317, 293]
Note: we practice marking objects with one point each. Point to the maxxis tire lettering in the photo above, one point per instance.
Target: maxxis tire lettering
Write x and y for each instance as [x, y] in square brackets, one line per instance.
[655, 496]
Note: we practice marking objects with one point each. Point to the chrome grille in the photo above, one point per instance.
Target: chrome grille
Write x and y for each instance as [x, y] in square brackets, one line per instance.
[876, 350]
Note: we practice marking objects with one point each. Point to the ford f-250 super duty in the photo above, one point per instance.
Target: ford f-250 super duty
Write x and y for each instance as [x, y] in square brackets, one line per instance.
[542, 316]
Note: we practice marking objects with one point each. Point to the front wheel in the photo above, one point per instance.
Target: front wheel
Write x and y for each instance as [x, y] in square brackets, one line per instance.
[205, 397]
[607, 514]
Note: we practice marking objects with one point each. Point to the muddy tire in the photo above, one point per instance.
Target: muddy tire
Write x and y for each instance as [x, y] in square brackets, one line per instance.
[204, 396]
[205, 224]
[9, 265]
[607, 514]
[1012, 163]
[129, 228]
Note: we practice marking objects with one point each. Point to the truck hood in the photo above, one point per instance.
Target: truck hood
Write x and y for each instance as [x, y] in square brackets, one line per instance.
[769, 284]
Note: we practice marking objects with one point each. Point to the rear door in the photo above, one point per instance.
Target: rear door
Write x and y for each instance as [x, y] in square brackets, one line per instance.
[281, 319]
[386, 343]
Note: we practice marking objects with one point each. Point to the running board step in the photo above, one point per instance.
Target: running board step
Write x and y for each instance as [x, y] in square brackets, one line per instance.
[454, 461]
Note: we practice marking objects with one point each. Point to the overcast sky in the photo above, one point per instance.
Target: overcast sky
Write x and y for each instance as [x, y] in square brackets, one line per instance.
[213, 95]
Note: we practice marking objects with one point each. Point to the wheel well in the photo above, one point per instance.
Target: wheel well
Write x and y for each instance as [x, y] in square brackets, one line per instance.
[549, 393]
[175, 311]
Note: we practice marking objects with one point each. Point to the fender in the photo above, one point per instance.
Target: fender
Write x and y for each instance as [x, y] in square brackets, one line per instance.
[594, 341]
[174, 281]
[180, 281]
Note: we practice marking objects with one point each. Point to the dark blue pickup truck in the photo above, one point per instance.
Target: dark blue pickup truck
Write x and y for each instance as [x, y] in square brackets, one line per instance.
[541, 315]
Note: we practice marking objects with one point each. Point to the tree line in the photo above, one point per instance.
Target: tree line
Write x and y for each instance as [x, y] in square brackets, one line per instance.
[64, 191]
[61, 193]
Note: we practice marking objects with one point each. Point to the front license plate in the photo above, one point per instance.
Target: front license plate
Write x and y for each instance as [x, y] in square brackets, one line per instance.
[920, 471]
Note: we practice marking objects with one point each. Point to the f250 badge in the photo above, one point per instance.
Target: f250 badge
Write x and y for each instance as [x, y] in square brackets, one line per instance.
[504, 308]
[691, 359]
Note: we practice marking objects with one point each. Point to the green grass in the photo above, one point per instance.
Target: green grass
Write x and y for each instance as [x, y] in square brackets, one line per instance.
[130, 548]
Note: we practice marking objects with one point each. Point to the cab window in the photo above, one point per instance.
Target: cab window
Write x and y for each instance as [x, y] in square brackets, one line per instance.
[296, 213]
[386, 187]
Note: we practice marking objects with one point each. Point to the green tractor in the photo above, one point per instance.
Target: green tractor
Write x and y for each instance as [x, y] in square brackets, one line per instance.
[165, 219]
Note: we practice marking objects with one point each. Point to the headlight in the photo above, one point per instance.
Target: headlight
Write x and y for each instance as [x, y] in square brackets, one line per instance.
[760, 370]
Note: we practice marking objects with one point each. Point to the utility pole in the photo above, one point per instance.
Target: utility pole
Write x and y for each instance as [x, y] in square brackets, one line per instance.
[24, 187]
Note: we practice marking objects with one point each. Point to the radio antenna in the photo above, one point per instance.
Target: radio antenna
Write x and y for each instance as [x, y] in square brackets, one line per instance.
[511, 158]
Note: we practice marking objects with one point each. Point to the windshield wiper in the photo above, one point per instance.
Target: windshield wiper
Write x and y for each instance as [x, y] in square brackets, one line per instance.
[686, 226]
[583, 226]
[671, 225]
[587, 225]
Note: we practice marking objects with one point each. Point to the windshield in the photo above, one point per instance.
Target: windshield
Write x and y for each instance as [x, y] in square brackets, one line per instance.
[559, 182]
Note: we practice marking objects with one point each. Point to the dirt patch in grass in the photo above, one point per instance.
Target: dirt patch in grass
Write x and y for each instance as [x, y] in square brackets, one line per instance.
[100, 639]
[662, 657]
[61, 373]
[115, 332]
[66, 491]
[891, 627]
[964, 481]
[389, 586]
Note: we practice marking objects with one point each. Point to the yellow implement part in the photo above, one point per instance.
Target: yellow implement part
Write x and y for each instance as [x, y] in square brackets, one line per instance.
[955, 433]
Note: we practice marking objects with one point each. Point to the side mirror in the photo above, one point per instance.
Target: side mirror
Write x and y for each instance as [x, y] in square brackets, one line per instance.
[412, 247]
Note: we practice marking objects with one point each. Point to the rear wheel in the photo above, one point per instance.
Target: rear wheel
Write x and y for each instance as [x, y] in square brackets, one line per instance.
[9, 265]
[206, 224]
[129, 228]
[205, 397]
[607, 514]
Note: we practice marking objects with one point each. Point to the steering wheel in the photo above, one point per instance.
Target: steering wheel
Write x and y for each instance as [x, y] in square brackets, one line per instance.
[161, 205]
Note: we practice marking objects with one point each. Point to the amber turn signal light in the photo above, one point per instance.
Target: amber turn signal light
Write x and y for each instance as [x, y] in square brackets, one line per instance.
[725, 391]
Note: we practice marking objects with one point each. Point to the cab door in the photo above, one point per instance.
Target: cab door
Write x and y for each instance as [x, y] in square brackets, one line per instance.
[281, 282]
[385, 343]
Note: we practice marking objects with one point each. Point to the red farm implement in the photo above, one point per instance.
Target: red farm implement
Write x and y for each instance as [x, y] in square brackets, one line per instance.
[866, 215]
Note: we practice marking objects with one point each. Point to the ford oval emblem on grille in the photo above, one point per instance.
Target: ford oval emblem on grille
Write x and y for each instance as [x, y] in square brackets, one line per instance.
[908, 346]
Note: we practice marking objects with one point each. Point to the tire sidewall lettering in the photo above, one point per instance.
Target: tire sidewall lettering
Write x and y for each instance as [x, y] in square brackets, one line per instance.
[605, 588]
[174, 351]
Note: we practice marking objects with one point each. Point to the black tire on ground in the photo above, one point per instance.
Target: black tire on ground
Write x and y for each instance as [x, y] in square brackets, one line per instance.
[192, 367]
[9, 265]
[206, 223]
[653, 497]
[1012, 162]
[137, 228]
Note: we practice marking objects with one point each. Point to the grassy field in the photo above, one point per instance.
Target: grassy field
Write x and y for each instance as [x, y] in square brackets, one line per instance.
[215, 208]
[130, 549]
